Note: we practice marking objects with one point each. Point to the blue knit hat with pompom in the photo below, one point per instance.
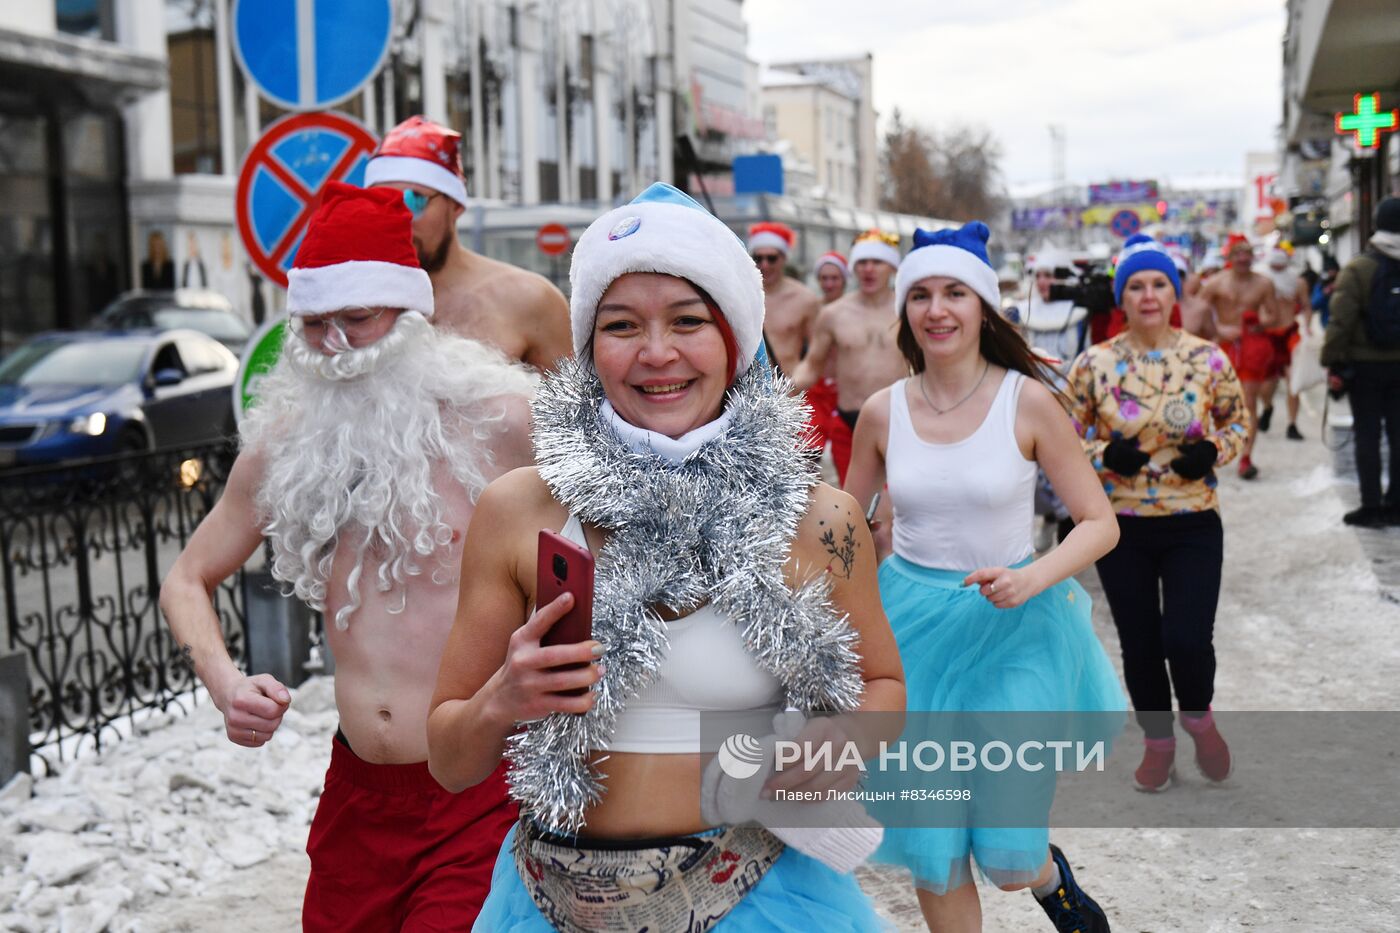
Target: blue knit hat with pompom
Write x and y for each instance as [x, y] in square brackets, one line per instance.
[958, 254]
[1141, 253]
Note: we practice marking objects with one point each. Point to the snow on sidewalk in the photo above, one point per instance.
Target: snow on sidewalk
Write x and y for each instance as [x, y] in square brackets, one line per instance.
[179, 830]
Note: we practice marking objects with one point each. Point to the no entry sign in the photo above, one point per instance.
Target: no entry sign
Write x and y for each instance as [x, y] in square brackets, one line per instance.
[553, 239]
[280, 183]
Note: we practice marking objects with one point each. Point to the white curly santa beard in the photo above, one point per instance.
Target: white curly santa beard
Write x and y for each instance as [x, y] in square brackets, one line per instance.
[349, 444]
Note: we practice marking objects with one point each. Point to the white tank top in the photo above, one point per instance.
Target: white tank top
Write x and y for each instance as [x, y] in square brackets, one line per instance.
[707, 668]
[964, 505]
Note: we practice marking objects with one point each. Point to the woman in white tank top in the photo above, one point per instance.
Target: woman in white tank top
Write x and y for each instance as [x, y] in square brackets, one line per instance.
[980, 626]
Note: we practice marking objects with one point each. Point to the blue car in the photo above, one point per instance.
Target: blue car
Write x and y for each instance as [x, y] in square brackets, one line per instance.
[77, 394]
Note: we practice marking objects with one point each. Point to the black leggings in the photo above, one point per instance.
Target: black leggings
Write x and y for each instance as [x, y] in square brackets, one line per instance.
[1163, 582]
[1375, 398]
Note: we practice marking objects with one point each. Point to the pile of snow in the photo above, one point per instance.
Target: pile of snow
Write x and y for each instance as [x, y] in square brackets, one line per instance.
[170, 812]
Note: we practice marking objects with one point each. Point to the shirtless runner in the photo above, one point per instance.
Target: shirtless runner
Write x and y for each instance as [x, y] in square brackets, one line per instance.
[517, 311]
[790, 308]
[361, 464]
[858, 333]
[1294, 299]
[832, 273]
[1243, 304]
[790, 311]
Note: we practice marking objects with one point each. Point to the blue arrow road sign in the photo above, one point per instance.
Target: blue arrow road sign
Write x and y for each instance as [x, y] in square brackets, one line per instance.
[311, 54]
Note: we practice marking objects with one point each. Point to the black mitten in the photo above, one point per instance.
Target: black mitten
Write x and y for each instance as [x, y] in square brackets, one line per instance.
[1196, 459]
[1123, 457]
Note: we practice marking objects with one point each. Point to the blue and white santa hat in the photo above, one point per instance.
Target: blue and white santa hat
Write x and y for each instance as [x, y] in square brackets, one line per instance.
[959, 254]
[1140, 254]
[664, 230]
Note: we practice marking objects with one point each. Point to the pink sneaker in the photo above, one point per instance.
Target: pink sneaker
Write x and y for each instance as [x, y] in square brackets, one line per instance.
[1212, 754]
[1156, 773]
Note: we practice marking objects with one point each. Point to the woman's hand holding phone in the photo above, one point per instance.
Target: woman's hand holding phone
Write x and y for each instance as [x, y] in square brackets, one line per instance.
[530, 685]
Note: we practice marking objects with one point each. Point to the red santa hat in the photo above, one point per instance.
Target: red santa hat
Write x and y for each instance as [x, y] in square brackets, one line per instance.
[420, 152]
[768, 235]
[358, 252]
[1232, 241]
[834, 258]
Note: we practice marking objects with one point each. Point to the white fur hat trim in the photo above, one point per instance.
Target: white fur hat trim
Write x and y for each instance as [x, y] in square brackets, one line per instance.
[416, 172]
[361, 283]
[668, 237]
[767, 239]
[874, 249]
[952, 261]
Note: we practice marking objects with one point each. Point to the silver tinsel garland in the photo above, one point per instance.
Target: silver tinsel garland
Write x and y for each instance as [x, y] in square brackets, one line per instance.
[714, 528]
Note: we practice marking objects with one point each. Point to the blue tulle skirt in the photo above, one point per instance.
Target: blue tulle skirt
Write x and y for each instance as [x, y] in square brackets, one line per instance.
[797, 895]
[961, 653]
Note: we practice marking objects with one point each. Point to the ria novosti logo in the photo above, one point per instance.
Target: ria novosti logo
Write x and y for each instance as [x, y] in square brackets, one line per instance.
[740, 756]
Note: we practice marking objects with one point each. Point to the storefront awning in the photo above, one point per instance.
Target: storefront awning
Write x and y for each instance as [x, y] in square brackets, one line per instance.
[102, 72]
[1355, 54]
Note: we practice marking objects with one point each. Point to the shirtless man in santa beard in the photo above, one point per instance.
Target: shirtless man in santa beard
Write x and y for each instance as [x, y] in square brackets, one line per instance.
[361, 463]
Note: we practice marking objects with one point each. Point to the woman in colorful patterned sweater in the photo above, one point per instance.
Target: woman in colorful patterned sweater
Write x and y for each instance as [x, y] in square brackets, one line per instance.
[1159, 410]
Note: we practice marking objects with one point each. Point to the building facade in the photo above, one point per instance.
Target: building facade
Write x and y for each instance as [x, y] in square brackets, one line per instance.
[126, 122]
[824, 114]
[1333, 51]
[72, 75]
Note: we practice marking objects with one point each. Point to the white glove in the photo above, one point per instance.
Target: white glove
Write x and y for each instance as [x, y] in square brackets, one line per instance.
[844, 836]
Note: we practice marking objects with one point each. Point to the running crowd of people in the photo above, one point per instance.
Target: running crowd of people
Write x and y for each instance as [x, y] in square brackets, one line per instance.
[434, 411]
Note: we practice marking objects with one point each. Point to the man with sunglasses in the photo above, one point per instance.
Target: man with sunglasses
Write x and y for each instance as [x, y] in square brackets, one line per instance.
[360, 466]
[519, 312]
[857, 334]
[790, 308]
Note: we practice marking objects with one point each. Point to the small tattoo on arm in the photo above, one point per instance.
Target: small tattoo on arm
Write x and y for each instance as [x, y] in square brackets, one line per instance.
[187, 653]
[843, 553]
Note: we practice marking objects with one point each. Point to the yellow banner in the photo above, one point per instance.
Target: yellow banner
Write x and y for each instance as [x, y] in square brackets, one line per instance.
[1101, 215]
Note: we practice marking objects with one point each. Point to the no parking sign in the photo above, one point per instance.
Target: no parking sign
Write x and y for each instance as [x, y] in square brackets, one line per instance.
[1125, 223]
[280, 183]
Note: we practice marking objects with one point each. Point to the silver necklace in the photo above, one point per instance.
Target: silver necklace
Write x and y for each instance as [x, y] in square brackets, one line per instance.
[943, 411]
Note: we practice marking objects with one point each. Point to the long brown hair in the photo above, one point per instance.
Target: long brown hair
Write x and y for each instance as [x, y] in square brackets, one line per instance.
[998, 342]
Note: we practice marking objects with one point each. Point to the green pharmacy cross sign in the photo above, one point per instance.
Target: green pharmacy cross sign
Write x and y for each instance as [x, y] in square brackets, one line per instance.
[1367, 122]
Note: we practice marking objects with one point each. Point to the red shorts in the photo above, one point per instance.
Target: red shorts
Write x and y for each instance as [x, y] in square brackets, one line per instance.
[1252, 353]
[822, 398]
[391, 850]
[841, 434]
[1284, 339]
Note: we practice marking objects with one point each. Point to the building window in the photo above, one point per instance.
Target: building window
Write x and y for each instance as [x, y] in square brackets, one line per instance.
[90, 18]
[194, 102]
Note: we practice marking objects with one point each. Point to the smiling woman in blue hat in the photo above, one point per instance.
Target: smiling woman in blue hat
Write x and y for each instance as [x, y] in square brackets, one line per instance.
[728, 579]
[980, 625]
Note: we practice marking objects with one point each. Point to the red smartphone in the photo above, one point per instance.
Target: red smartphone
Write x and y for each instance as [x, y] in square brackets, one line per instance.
[563, 566]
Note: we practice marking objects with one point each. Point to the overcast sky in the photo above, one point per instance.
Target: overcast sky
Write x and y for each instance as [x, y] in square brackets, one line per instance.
[1143, 90]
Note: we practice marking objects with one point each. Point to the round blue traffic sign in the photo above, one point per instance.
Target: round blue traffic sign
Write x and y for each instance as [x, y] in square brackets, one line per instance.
[311, 54]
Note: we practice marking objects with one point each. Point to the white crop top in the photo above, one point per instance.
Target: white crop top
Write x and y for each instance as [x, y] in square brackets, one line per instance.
[707, 668]
[964, 505]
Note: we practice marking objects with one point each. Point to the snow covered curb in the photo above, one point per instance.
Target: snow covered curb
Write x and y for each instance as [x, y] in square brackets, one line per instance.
[171, 813]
